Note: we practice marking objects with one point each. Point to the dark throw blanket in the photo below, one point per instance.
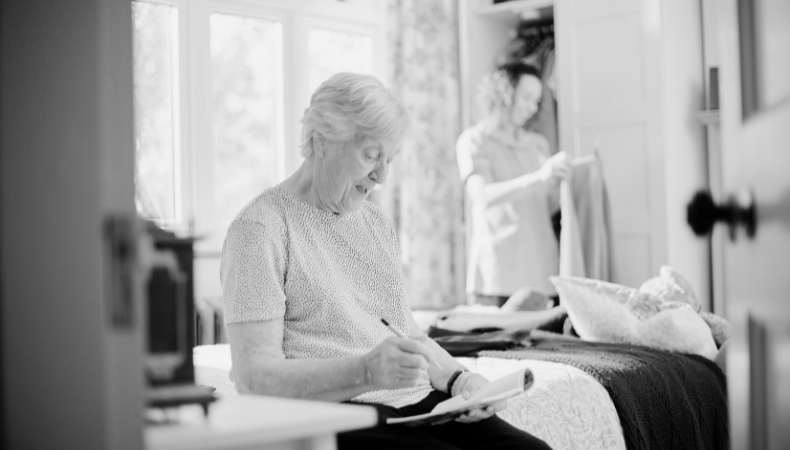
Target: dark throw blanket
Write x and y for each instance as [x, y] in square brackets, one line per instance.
[664, 400]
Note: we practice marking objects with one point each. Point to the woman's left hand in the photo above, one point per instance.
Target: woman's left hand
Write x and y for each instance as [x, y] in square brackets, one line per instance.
[470, 383]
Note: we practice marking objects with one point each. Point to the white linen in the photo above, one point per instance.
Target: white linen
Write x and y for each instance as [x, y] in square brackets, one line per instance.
[565, 407]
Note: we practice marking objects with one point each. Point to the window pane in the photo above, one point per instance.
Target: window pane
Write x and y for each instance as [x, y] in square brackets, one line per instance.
[247, 105]
[155, 111]
[331, 51]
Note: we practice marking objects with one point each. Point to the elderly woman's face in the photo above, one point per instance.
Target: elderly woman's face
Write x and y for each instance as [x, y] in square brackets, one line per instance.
[347, 173]
[525, 99]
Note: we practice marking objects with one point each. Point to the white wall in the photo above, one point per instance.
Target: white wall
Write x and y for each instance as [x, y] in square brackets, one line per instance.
[70, 380]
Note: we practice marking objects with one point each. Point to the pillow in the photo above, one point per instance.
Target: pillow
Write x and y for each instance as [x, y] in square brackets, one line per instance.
[679, 329]
[600, 311]
[671, 288]
[597, 309]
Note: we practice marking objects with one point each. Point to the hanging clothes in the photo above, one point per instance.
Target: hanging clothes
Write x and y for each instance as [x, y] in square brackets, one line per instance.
[571, 244]
[585, 234]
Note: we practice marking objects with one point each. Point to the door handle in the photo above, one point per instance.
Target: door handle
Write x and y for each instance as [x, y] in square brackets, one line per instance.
[740, 210]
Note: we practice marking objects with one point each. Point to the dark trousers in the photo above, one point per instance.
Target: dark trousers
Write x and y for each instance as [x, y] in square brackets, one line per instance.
[492, 433]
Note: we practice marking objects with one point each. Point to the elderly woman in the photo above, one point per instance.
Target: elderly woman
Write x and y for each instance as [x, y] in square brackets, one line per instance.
[512, 185]
[310, 266]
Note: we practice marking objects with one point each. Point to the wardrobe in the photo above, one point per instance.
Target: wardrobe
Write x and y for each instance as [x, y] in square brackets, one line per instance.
[629, 83]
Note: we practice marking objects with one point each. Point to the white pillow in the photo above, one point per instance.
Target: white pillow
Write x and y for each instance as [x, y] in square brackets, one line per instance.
[597, 309]
[679, 329]
[600, 312]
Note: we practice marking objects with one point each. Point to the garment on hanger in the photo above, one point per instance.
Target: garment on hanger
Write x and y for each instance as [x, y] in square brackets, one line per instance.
[584, 238]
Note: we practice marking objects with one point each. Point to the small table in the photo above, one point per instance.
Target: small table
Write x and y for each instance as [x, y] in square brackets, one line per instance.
[258, 422]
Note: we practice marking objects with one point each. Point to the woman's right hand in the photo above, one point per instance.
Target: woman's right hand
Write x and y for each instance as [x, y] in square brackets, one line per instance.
[555, 169]
[396, 363]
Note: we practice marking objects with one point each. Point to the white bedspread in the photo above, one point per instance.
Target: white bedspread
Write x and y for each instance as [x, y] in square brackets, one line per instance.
[565, 407]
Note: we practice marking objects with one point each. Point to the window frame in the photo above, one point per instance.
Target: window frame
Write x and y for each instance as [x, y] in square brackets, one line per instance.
[193, 137]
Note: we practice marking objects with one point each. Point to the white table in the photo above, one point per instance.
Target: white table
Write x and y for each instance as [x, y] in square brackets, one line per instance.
[247, 422]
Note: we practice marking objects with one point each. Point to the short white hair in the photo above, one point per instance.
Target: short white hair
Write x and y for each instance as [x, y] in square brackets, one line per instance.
[348, 107]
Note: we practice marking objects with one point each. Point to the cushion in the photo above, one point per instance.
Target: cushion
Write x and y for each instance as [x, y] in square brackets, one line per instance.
[671, 287]
[600, 311]
[719, 327]
[597, 309]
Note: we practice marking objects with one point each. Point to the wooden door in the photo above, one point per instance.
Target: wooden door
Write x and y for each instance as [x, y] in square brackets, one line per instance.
[755, 76]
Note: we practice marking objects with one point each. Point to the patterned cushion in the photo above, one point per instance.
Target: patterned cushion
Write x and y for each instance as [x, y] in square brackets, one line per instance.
[671, 287]
[607, 312]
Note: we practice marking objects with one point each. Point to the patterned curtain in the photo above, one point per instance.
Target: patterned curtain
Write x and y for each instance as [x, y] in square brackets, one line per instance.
[424, 193]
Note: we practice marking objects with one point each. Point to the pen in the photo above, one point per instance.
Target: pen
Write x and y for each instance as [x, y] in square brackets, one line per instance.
[396, 332]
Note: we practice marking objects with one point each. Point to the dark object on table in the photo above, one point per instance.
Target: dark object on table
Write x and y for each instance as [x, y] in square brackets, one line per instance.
[180, 394]
[169, 297]
[469, 343]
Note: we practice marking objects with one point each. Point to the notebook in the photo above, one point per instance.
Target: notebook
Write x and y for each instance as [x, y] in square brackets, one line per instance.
[495, 391]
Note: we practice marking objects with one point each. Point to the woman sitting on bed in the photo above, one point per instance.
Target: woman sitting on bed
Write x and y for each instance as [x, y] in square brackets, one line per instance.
[310, 266]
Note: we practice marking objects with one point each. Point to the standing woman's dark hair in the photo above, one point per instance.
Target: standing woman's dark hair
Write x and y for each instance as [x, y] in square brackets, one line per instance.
[497, 89]
[514, 70]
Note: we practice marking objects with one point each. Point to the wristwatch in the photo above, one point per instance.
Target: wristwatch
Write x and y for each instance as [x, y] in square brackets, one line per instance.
[453, 379]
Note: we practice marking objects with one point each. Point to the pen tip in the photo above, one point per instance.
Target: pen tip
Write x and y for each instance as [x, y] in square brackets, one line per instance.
[384, 321]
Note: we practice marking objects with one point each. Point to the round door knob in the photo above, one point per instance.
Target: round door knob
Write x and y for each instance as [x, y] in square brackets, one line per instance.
[702, 213]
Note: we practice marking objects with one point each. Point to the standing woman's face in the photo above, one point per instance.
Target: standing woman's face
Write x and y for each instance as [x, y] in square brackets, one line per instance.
[526, 99]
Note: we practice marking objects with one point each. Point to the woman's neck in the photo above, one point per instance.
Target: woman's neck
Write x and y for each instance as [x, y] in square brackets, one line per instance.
[300, 184]
[504, 127]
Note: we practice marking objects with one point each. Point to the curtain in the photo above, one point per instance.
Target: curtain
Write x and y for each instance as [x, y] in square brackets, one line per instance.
[424, 193]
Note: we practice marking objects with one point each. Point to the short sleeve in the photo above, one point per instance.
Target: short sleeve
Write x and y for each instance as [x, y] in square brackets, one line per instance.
[252, 272]
[471, 157]
[383, 226]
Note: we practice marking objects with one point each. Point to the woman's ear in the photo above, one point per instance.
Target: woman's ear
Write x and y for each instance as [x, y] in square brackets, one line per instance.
[319, 146]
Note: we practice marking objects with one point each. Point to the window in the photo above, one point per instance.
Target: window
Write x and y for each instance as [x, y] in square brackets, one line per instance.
[246, 109]
[220, 86]
[330, 51]
[156, 112]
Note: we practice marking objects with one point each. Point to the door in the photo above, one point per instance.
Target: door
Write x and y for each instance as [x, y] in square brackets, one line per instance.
[71, 374]
[755, 90]
[603, 54]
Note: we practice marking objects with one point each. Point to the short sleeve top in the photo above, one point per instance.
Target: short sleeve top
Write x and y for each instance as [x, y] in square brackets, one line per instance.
[512, 243]
[329, 278]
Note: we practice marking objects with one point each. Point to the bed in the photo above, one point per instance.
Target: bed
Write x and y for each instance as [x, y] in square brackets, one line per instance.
[586, 395]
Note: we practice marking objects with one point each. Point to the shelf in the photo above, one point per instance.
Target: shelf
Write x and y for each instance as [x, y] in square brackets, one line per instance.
[527, 9]
[709, 117]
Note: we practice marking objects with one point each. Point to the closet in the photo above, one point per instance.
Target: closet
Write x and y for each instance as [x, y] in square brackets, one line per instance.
[629, 82]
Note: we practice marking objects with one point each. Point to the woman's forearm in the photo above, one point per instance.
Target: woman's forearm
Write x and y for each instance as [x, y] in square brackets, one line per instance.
[321, 379]
[491, 194]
